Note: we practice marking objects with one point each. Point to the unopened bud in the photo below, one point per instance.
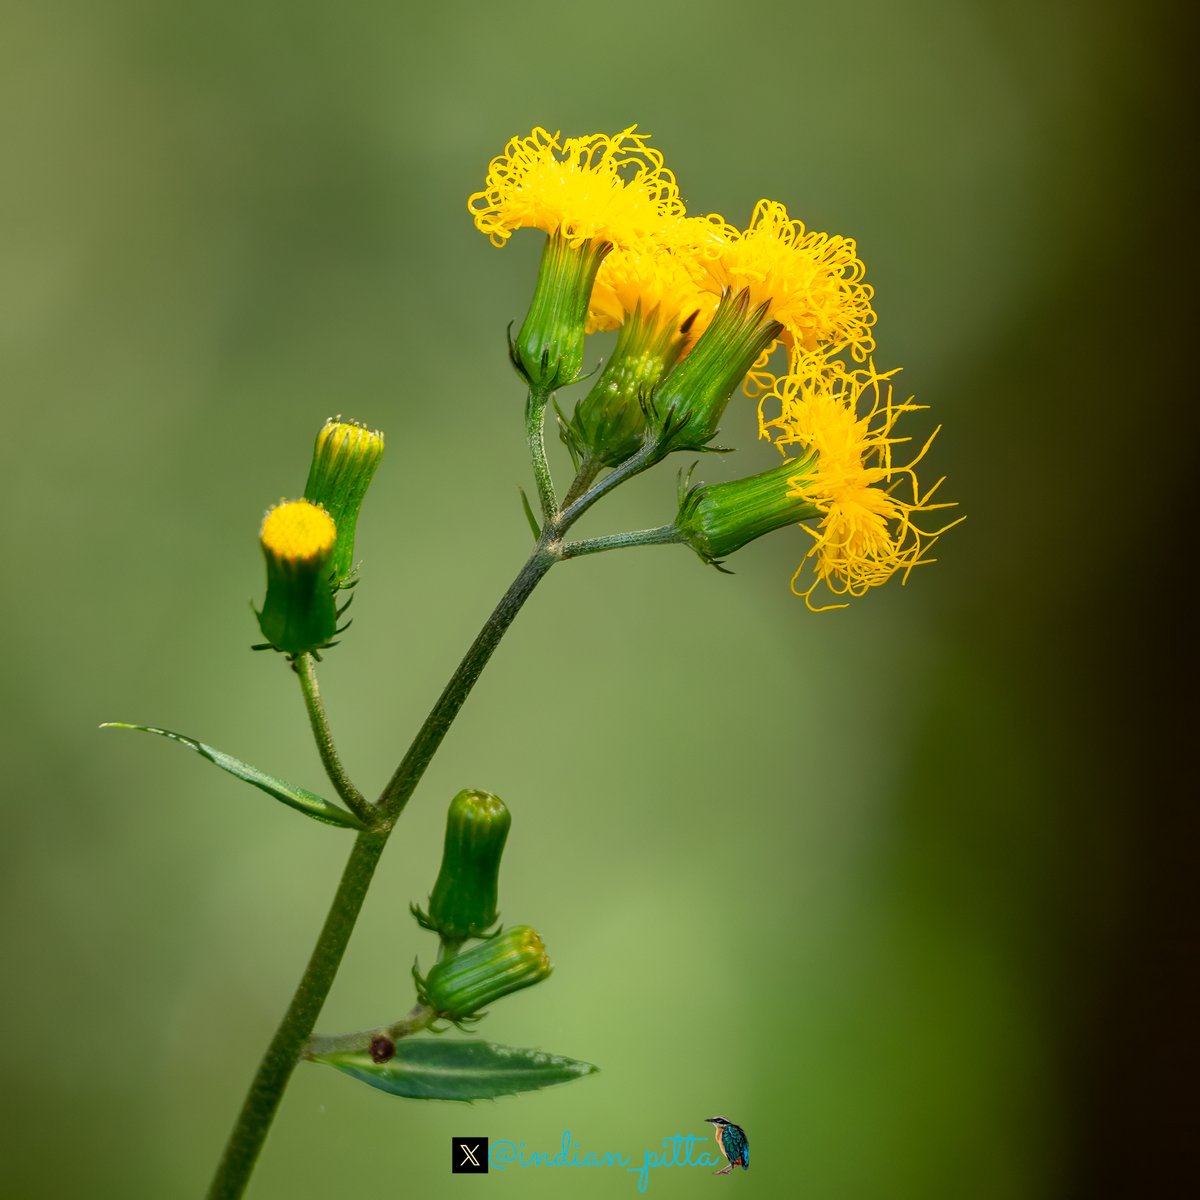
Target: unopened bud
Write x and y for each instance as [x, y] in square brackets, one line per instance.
[461, 986]
[463, 902]
[344, 459]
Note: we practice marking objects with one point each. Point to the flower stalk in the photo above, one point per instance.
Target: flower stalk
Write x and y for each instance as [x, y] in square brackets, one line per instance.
[356, 802]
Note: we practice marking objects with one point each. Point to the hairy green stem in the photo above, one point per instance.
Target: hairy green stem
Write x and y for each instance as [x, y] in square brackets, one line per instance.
[408, 774]
[266, 1090]
[646, 457]
[535, 420]
[359, 805]
[584, 480]
[662, 535]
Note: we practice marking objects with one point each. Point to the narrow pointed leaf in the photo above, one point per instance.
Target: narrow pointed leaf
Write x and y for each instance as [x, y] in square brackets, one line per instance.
[434, 1069]
[301, 799]
[533, 523]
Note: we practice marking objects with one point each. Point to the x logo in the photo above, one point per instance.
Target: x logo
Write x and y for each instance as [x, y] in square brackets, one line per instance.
[469, 1156]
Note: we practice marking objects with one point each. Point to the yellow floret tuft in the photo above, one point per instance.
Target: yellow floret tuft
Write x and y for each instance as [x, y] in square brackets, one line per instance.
[612, 188]
[658, 281]
[868, 533]
[812, 283]
[297, 531]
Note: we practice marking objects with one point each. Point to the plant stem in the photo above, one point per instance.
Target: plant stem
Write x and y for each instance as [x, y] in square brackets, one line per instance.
[663, 535]
[266, 1091]
[408, 774]
[535, 414]
[647, 456]
[359, 805]
[584, 480]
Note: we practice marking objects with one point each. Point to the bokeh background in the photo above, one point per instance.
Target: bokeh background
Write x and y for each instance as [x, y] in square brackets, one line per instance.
[901, 889]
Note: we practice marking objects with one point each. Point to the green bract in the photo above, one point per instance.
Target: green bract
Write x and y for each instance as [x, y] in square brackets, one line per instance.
[609, 424]
[717, 519]
[548, 350]
[688, 406]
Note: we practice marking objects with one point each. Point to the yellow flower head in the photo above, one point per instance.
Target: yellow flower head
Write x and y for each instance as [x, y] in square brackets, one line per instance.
[811, 282]
[612, 188]
[868, 532]
[299, 614]
[297, 532]
[655, 280]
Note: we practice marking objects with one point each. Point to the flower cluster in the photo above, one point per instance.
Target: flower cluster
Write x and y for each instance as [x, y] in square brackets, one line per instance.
[702, 307]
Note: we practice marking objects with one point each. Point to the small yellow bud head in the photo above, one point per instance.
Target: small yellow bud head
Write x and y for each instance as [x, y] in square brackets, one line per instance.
[298, 540]
[344, 461]
[298, 532]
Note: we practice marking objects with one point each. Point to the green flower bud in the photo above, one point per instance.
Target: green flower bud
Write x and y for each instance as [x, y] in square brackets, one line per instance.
[717, 519]
[344, 459]
[298, 540]
[609, 424]
[463, 902]
[460, 987]
[548, 351]
[687, 408]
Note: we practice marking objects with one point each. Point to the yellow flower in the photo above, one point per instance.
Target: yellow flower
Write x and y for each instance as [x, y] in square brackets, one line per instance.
[867, 533]
[298, 540]
[298, 532]
[666, 279]
[656, 281]
[610, 188]
[811, 282]
[591, 196]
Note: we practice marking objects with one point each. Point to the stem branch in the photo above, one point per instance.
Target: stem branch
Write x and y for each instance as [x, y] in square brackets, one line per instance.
[645, 457]
[359, 805]
[663, 535]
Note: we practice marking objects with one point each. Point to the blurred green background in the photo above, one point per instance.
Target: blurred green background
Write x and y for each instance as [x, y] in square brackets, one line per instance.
[899, 889]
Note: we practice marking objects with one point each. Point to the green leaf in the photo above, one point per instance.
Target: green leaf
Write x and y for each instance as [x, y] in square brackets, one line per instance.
[533, 522]
[434, 1069]
[302, 800]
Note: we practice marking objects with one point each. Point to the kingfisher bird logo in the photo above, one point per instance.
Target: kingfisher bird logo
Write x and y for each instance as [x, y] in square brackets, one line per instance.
[733, 1143]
